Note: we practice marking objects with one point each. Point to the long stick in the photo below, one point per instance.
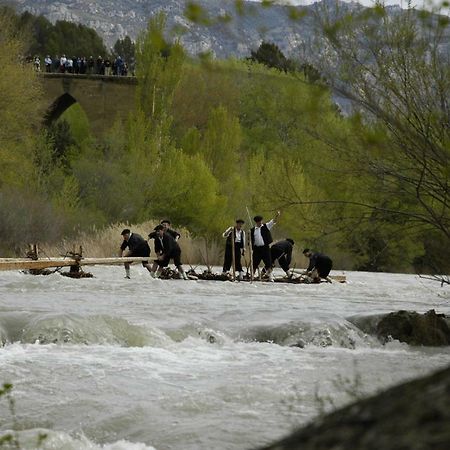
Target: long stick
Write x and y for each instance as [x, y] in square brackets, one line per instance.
[233, 254]
[250, 245]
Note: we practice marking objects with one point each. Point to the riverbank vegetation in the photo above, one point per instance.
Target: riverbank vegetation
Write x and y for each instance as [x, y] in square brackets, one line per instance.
[209, 138]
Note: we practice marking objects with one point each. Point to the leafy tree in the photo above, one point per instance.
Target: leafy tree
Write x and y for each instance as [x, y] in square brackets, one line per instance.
[188, 192]
[397, 77]
[72, 39]
[20, 108]
[158, 74]
[271, 56]
[125, 48]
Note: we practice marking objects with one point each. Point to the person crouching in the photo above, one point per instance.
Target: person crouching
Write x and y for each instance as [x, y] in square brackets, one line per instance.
[166, 248]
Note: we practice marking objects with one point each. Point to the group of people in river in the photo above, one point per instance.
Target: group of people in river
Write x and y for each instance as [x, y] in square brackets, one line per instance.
[262, 250]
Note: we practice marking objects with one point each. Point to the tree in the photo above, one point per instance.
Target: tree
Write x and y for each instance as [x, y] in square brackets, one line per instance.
[271, 56]
[395, 73]
[126, 49]
[157, 70]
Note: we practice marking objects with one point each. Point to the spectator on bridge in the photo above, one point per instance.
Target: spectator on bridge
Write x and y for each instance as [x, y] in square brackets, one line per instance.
[62, 63]
[56, 64]
[83, 65]
[107, 64]
[90, 65]
[76, 67]
[119, 66]
[69, 65]
[99, 66]
[48, 64]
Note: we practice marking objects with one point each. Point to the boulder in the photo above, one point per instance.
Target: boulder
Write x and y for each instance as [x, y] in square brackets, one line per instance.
[428, 329]
[411, 416]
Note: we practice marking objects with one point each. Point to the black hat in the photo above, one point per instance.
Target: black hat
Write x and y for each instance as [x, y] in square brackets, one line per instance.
[258, 218]
[306, 251]
[165, 221]
[290, 240]
[240, 221]
[125, 231]
[159, 227]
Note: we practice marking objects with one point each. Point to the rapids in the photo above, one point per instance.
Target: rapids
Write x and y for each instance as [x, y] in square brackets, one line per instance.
[111, 363]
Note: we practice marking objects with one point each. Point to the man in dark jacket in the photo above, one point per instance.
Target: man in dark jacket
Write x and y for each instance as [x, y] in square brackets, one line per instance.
[319, 265]
[239, 246]
[167, 248]
[261, 239]
[137, 246]
[282, 251]
[166, 224]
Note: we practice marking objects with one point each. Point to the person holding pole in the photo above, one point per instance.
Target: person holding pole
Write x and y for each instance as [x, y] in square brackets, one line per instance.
[234, 249]
[261, 238]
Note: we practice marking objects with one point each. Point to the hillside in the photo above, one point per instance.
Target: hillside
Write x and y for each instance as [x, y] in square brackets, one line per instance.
[114, 19]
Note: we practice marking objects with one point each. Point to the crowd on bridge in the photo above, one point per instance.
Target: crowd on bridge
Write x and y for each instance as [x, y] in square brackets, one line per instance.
[81, 65]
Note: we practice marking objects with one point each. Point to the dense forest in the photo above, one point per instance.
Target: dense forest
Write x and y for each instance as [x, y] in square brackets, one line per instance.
[209, 138]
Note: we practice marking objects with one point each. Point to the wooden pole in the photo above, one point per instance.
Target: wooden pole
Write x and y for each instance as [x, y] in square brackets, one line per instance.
[233, 254]
[250, 245]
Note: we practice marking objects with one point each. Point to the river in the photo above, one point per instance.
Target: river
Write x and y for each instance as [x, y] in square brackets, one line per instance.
[111, 363]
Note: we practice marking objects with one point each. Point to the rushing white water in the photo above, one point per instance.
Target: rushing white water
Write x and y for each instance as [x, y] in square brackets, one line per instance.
[111, 363]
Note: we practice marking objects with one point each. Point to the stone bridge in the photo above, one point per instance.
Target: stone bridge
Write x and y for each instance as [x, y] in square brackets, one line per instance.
[102, 98]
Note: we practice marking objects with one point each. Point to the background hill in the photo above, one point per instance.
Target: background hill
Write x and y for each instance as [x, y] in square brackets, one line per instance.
[114, 19]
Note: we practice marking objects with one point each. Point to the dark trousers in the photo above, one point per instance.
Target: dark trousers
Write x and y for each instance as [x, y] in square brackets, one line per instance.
[143, 250]
[229, 258]
[324, 267]
[277, 254]
[175, 255]
[262, 254]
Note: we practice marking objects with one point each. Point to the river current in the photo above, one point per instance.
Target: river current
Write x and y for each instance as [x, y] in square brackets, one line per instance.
[111, 363]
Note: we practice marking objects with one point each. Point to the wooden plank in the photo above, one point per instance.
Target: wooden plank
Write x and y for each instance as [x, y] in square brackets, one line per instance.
[25, 263]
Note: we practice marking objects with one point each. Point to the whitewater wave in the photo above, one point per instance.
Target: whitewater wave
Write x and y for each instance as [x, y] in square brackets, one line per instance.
[63, 329]
[75, 329]
[321, 334]
[50, 440]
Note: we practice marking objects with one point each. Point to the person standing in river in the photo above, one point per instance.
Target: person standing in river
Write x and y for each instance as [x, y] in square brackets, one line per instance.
[239, 246]
[261, 238]
[134, 245]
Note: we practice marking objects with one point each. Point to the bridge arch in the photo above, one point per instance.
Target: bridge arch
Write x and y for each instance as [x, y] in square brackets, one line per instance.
[103, 99]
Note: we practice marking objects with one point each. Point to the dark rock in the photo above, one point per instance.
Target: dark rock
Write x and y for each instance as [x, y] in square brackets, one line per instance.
[428, 329]
[412, 416]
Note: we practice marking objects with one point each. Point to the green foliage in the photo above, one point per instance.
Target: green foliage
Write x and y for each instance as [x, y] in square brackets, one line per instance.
[187, 191]
[126, 48]
[159, 68]
[270, 55]
[63, 37]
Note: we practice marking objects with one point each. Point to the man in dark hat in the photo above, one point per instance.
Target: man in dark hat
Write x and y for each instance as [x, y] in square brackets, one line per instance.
[319, 265]
[261, 239]
[282, 251]
[166, 224]
[137, 246]
[239, 246]
[167, 248]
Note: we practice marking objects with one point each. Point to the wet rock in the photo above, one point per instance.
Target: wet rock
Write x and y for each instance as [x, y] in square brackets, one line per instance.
[412, 416]
[428, 329]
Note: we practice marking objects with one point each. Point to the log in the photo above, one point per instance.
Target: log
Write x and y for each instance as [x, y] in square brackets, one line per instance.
[25, 263]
